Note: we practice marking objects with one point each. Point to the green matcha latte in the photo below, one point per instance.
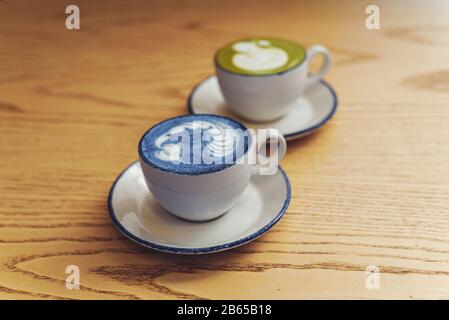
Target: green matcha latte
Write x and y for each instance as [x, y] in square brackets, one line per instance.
[260, 56]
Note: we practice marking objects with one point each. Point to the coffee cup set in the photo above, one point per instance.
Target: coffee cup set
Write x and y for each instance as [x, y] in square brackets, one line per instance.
[202, 184]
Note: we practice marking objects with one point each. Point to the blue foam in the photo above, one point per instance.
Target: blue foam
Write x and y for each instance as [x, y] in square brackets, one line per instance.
[194, 144]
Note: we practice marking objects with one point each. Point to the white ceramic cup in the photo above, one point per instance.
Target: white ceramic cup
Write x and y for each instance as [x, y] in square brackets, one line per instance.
[202, 197]
[267, 97]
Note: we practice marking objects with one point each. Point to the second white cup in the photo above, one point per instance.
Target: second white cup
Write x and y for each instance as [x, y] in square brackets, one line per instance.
[261, 77]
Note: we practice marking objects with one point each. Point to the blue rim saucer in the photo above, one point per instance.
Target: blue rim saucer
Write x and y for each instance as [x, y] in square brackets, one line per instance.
[308, 114]
[138, 217]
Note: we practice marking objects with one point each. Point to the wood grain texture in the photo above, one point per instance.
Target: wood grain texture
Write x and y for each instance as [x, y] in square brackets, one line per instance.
[370, 188]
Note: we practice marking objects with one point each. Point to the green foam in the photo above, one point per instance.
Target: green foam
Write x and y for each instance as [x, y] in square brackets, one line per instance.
[296, 55]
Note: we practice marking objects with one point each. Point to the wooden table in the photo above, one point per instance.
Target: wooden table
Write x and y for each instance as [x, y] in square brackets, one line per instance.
[370, 189]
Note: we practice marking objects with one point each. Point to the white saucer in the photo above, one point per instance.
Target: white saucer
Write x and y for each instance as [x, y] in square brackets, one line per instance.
[136, 214]
[307, 114]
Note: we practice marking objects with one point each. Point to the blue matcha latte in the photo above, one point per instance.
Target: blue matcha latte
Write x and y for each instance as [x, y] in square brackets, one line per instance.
[194, 144]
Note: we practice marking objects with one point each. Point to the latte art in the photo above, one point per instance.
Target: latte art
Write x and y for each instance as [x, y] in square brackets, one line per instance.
[194, 144]
[258, 55]
[212, 140]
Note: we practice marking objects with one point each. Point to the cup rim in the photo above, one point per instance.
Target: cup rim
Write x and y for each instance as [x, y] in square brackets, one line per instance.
[218, 66]
[197, 172]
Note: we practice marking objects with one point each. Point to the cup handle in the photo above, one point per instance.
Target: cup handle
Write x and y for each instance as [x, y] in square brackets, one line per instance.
[262, 141]
[312, 52]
